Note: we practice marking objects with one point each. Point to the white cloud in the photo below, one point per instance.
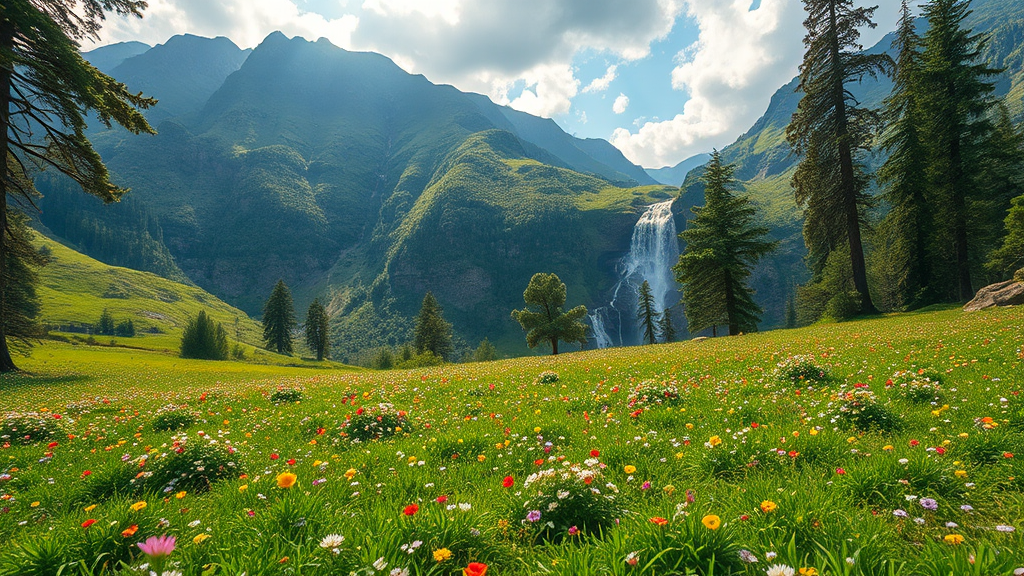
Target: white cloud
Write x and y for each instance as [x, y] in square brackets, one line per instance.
[549, 91]
[621, 103]
[601, 84]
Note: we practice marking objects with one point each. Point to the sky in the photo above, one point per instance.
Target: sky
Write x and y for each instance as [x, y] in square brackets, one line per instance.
[662, 80]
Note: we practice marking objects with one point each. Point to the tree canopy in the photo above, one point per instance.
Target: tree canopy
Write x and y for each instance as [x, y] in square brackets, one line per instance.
[432, 333]
[543, 318]
[279, 319]
[318, 329]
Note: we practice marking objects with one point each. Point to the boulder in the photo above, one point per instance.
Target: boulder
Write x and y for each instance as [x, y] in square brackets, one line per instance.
[1009, 293]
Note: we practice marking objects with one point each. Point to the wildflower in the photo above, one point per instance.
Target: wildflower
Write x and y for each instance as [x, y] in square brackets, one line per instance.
[442, 555]
[629, 469]
[953, 539]
[508, 482]
[594, 453]
[411, 509]
[475, 569]
[1005, 528]
[88, 523]
[669, 489]
[350, 473]
[130, 531]
[573, 531]
[747, 556]
[808, 572]
[780, 570]
[286, 480]
[929, 504]
[138, 506]
[181, 495]
[900, 513]
[200, 538]
[90, 507]
[768, 506]
[157, 547]
[714, 441]
[332, 542]
[380, 564]
[633, 558]
[442, 499]
[659, 521]
[533, 515]
[711, 522]
[399, 572]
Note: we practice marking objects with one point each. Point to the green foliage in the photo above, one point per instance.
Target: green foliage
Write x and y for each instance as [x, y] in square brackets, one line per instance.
[28, 428]
[20, 310]
[318, 329]
[646, 313]
[862, 411]
[547, 377]
[485, 352]
[204, 339]
[286, 396]
[384, 360]
[106, 325]
[801, 368]
[1011, 254]
[1019, 276]
[545, 321]
[832, 296]
[423, 360]
[432, 333]
[685, 546]
[279, 320]
[831, 132]
[173, 418]
[125, 329]
[558, 500]
[193, 465]
[376, 422]
[666, 327]
[723, 245]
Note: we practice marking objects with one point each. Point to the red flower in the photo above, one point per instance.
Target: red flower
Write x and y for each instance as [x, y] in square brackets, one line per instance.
[274, 456]
[51, 445]
[659, 521]
[86, 473]
[840, 471]
[754, 425]
[411, 509]
[539, 461]
[745, 517]
[508, 482]
[940, 450]
[915, 443]
[442, 499]
[595, 453]
[291, 462]
[359, 412]
[475, 569]
[1007, 454]
[88, 522]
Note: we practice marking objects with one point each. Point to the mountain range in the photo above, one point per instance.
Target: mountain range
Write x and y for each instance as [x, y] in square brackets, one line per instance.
[366, 186]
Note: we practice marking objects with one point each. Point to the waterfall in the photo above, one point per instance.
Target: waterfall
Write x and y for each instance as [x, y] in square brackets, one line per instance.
[653, 250]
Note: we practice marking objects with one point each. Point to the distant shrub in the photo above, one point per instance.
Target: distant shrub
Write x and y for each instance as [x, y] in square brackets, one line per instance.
[125, 329]
[801, 368]
[29, 428]
[425, 360]
[652, 392]
[844, 305]
[561, 499]
[920, 387]
[547, 377]
[376, 422]
[383, 360]
[861, 410]
[105, 326]
[204, 339]
[173, 418]
[237, 351]
[485, 352]
[286, 396]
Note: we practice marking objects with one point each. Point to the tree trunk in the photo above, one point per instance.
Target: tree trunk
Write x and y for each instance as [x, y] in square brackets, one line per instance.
[554, 346]
[848, 186]
[959, 207]
[6, 42]
[730, 306]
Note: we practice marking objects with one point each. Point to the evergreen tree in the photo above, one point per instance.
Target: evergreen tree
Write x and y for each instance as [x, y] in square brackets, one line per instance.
[279, 320]
[21, 302]
[722, 246]
[646, 313]
[666, 329]
[832, 132]
[105, 327]
[1003, 180]
[204, 339]
[1010, 257]
[384, 360]
[125, 329]
[318, 329]
[485, 352]
[46, 91]
[791, 321]
[432, 333]
[543, 318]
[957, 120]
[904, 176]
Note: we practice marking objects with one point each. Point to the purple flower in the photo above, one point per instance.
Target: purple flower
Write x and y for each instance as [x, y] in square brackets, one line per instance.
[1005, 528]
[929, 504]
[899, 513]
[967, 508]
[157, 546]
[646, 486]
[533, 515]
[573, 531]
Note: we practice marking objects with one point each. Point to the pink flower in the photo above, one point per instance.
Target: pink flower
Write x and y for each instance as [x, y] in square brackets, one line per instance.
[157, 546]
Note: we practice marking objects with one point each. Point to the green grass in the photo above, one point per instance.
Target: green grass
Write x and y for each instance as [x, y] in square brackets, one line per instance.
[718, 438]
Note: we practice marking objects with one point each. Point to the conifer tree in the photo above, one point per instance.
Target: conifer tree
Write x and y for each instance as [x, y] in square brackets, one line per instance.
[957, 114]
[831, 131]
[646, 313]
[543, 318]
[204, 339]
[666, 329]
[318, 329]
[1010, 256]
[485, 352]
[21, 304]
[432, 333]
[46, 91]
[279, 320]
[722, 246]
[904, 175]
[1003, 181]
[105, 326]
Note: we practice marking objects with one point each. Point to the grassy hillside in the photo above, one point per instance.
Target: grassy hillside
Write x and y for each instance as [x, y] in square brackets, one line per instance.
[888, 446]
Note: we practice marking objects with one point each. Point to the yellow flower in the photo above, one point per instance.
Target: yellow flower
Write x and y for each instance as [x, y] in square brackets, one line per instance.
[91, 507]
[714, 441]
[481, 458]
[34, 505]
[180, 495]
[669, 489]
[350, 473]
[536, 430]
[138, 506]
[629, 469]
[243, 488]
[954, 539]
[808, 572]
[887, 448]
[814, 432]
[851, 440]
[768, 506]
[711, 522]
[442, 554]
[961, 473]
[200, 538]
[286, 480]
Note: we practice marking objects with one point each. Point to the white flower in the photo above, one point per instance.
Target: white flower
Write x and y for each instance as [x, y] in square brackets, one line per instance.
[780, 570]
[400, 572]
[332, 542]
[562, 494]
[770, 555]
[465, 506]
[380, 564]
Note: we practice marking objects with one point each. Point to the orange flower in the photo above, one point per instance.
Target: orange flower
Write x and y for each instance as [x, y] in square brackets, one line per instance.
[659, 521]
[711, 522]
[88, 523]
[475, 569]
[286, 480]
[130, 531]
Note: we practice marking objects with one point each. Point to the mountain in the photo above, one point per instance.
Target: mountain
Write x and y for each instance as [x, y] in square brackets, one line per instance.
[363, 185]
[108, 57]
[674, 175]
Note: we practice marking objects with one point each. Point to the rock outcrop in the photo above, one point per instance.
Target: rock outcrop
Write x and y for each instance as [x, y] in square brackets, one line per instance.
[1009, 293]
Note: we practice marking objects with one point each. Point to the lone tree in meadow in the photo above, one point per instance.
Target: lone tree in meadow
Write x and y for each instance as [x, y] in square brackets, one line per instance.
[485, 352]
[432, 333]
[646, 313]
[318, 329]
[46, 91]
[279, 320]
[723, 244]
[831, 133]
[543, 318]
[204, 339]
[666, 330]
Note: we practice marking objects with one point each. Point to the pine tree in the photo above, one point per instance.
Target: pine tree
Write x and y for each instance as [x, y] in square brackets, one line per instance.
[46, 91]
[204, 339]
[485, 352]
[543, 318]
[125, 329]
[318, 329]
[432, 333]
[1010, 256]
[791, 320]
[646, 313]
[1003, 180]
[722, 246]
[21, 304]
[904, 175]
[279, 320]
[956, 112]
[666, 330]
[105, 327]
[832, 132]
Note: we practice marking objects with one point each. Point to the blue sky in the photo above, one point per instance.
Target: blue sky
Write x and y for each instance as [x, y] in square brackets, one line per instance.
[679, 76]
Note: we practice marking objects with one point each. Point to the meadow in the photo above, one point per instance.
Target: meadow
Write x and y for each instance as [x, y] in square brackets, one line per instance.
[888, 446]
